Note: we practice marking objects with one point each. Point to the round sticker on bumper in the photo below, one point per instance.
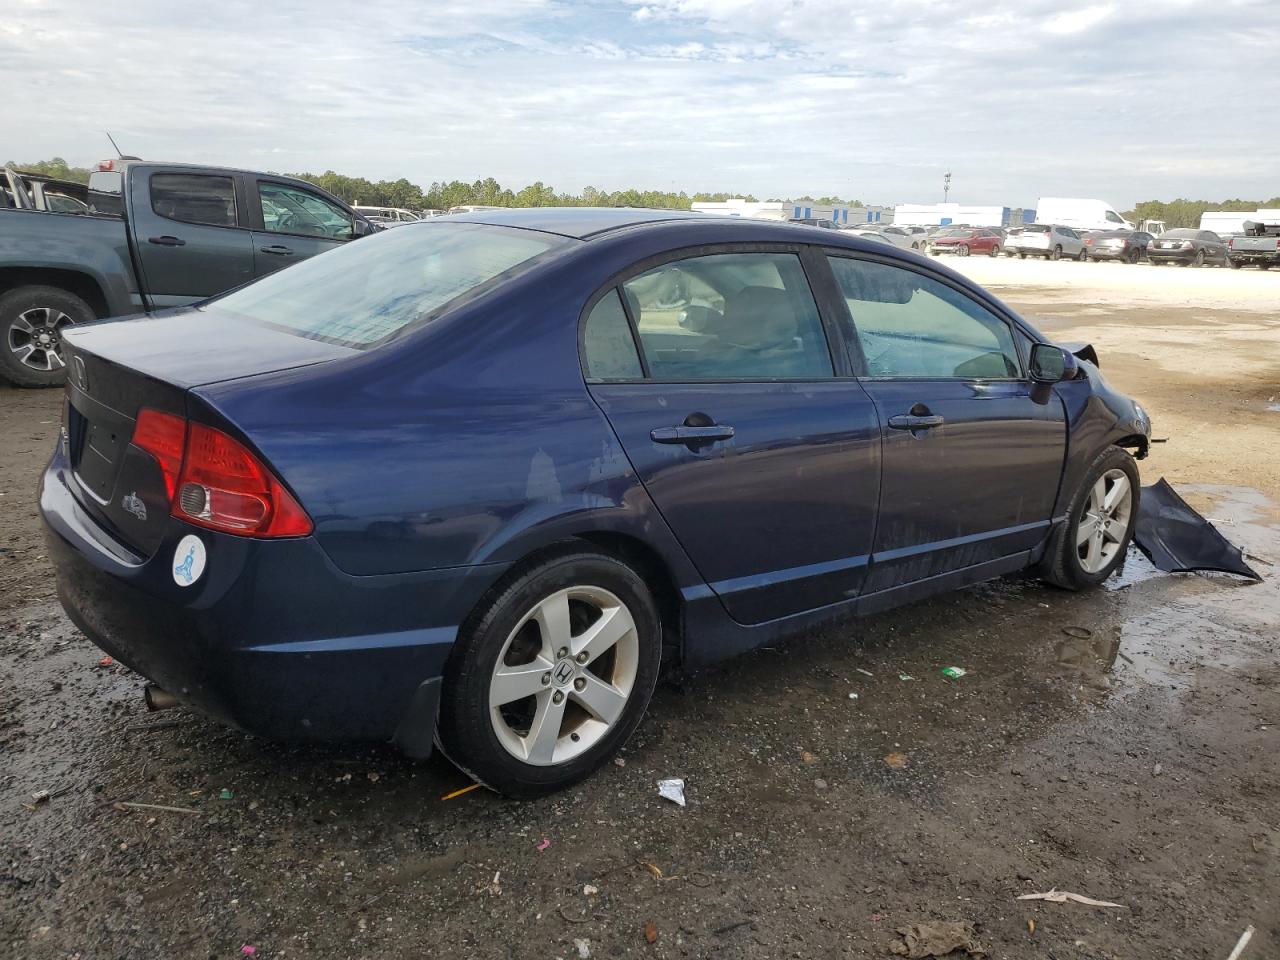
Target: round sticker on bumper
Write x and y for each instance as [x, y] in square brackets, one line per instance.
[188, 561]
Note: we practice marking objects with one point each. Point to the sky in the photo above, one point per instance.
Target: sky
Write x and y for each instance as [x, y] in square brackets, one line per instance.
[873, 99]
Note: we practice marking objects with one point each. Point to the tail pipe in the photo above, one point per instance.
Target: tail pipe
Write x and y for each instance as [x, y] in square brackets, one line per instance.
[158, 698]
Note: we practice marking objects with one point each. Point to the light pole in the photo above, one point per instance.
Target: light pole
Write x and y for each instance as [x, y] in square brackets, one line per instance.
[946, 185]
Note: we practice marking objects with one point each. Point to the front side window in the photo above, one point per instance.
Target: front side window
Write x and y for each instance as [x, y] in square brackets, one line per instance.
[361, 294]
[732, 316]
[294, 210]
[609, 350]
[911, 326]
[1114, 217]
[194, 198]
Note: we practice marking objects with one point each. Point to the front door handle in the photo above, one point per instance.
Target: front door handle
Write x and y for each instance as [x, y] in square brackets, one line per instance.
[717, 431]
[278, 249]
[167, 241]
[911, 422]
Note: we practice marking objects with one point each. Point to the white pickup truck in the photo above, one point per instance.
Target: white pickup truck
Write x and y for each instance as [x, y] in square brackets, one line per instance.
[1259, 244]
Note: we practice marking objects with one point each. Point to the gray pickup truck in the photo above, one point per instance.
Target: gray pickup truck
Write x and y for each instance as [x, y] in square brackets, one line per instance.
[150, 236]
[1259, 244]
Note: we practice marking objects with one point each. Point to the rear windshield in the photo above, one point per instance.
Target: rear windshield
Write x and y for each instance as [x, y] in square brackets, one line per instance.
[369, 290]
[1036, 228]
[1180, 234]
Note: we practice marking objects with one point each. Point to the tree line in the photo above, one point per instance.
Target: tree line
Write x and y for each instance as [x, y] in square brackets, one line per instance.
[488, 192]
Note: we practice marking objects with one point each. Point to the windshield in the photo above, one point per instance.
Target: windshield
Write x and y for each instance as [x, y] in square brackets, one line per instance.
[955, 232]
[367, 291]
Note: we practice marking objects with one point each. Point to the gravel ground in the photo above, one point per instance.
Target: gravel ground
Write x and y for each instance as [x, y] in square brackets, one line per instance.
[1120, 744]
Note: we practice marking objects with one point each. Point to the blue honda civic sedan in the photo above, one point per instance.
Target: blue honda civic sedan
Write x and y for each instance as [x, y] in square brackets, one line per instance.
[468, 483]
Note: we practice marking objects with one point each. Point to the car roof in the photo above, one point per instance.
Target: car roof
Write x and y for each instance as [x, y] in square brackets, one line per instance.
[577, 222]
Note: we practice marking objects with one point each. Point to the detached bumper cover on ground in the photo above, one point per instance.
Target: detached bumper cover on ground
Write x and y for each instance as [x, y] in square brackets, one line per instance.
[1176, 538]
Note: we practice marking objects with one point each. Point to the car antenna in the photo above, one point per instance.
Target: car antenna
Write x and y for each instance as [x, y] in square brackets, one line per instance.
[117, 149]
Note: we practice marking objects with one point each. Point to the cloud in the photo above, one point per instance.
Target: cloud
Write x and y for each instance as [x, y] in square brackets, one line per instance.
[1019, 98]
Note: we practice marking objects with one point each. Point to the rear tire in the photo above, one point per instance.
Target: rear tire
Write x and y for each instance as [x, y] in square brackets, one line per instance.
[1198, 259]
[545, 618]
[32, 319]
[1233, 264]
[1055, 253]
[1022, 256]
[995, 250]
[1082, 256]
[1092, 542]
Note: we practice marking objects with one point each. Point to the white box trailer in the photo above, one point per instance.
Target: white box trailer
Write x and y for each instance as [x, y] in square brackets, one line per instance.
[791, 210]
[942, 214]
[1223, 222]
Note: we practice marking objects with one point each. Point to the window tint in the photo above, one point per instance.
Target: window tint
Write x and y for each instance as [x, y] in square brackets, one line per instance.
[911, 326]
[293, 210]
[729, 316]
[194, 198]
[1114, 217]
[363, 293]
[608, 348]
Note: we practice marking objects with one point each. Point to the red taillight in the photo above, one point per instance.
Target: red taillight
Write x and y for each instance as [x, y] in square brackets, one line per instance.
[219, 484]
[106, 166]
[164, 436]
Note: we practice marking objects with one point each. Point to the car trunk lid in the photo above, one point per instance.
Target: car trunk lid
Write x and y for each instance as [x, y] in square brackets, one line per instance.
[117, 369]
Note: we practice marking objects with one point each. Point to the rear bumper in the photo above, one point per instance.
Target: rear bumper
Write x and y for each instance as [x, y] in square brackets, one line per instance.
[1170, 255]
[272, 638]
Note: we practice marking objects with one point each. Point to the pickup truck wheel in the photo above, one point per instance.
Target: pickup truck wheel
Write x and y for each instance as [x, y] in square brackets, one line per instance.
[1233, 264]
[32, 319]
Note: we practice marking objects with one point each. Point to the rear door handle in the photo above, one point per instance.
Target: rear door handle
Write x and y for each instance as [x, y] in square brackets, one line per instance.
[279, 249]
[167, 241]
[717, 431]
[909, 422]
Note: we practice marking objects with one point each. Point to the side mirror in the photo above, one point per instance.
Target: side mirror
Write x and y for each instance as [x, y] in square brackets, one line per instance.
[361, 228]
[1051, 363]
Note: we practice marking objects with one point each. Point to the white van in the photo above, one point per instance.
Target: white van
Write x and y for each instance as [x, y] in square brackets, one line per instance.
[1080, 213]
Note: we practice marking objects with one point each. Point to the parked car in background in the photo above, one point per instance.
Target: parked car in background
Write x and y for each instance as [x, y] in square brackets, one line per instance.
[962, 241]
[1051, 241]
[1188, 248]
[898, 236]
[1259, 244]
[822, 222]
[154, 235]
[1128, 246]
[610, 482]
[389, 216]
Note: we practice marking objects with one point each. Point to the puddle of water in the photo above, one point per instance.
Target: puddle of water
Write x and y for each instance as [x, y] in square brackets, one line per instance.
[1135, 569]
[1274, 407]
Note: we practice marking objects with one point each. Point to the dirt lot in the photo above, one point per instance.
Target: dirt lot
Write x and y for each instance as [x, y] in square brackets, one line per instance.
[1122, 744]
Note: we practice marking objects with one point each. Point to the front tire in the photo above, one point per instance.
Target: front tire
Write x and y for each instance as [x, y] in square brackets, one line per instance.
[32, 321]
[995, 250]
[551, 674]
[1055, 253]
[1087, 548]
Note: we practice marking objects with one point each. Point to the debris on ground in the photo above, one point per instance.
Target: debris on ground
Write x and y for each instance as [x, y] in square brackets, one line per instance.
[808, 757]
[584, 948]
[650, 932]
[1031, 926]
[1080, 633]
[1242, 943]
[493, 887]
[1062, 896]
[954, 673]
[248, 950]
[590, 890]
[458, 793]
[543, 844]
[1178, 539]
[106, 662]
[853, 696]
[937, 939]
[896, 760]
[820, 784]
[672, 789]
[226, 794]
[865, 673]
[127, 805]
[905, 676]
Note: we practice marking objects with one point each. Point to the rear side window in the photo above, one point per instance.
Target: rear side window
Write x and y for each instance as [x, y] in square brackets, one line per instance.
[608, 347]
[732, 316]
[913, 327]
[194, 198]
[363, 293]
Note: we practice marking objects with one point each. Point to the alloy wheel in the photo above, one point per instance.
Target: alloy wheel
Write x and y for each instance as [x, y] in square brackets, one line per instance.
[1104, 521]
[564, 676]
[35, 338]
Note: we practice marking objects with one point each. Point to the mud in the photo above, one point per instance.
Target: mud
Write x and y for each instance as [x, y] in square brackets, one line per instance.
[1122, 744]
